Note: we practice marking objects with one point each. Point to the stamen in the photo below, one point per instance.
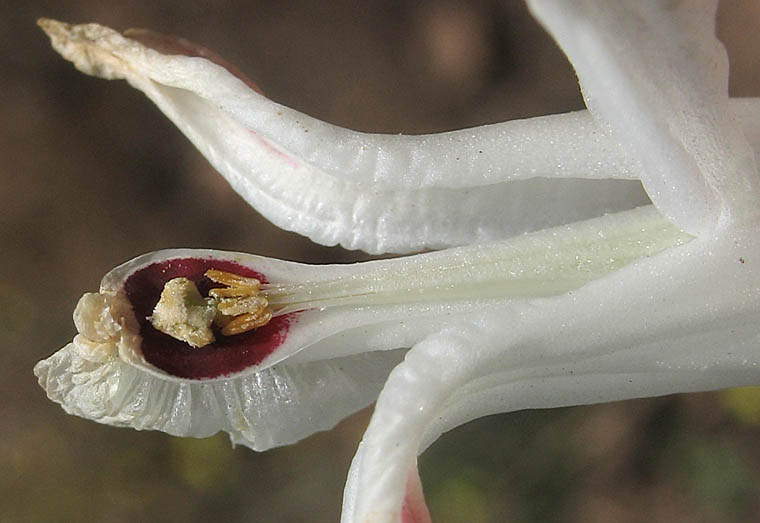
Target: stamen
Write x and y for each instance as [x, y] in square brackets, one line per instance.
[232, 280]
[246, 322]
[184, 314]
[240, 306]
[229, 292]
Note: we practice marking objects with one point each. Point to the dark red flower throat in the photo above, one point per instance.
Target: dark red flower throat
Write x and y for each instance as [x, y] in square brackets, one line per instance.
[228, 354]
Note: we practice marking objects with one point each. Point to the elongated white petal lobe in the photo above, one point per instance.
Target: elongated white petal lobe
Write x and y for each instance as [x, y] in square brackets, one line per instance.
[655, 75]
[376, 218]
[451, 189]
[566, 145]
[379, 193]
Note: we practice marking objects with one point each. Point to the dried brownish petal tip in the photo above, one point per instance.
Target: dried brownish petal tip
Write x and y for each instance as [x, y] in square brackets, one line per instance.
[92, 48]
[47, 24]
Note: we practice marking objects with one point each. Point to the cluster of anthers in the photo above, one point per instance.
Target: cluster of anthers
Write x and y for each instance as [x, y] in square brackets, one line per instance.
[184, 314]
[241, 304]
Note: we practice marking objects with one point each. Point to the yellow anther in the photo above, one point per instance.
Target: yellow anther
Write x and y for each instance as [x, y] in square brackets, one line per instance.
[246, 322]
[232, 280]
[247, 305]
[241, 306]
[231, 292]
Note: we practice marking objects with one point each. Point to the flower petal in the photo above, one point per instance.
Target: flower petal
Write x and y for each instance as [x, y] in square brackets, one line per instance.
[276, 406]
[657, 77]
[621, 336]
[315, 303]
[337, 186]
[378, 193]
[574, 145]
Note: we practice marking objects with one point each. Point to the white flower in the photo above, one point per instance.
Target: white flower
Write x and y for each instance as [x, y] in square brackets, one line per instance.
[640, 302]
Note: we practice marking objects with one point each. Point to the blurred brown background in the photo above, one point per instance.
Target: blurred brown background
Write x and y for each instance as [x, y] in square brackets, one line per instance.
[93, 175]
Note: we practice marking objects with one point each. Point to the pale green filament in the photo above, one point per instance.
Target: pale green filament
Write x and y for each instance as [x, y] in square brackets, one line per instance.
[545, 263]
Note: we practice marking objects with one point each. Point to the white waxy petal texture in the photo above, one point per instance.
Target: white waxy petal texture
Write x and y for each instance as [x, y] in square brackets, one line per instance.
[273, 407]
[378, 193]
[656, 76]
[445, 190]
[621, 336]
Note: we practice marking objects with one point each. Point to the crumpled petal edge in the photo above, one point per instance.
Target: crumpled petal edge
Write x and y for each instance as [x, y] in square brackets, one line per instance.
[277, 406]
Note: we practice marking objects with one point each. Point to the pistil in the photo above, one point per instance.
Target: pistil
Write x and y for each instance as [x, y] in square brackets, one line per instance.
[182, 313]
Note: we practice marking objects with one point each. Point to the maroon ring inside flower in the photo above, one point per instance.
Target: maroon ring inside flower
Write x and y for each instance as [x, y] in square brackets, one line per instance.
[228, 354]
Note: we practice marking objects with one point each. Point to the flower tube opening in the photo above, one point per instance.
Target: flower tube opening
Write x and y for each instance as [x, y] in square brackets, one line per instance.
[225, 355]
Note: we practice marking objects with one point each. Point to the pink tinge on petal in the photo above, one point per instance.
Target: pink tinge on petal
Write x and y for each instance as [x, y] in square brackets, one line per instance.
[168, 44]
[175, 45]
[414, 508]
[287, 159]
[228, 354]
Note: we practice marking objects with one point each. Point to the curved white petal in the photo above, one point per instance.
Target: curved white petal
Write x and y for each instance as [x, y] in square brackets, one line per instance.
[747, 112]
[650, 370]
[276, 406]
[686, 320]
[335, 186]
[338, 300]
[657, 77]
[379, 193]
[567, 145]
[375, 218]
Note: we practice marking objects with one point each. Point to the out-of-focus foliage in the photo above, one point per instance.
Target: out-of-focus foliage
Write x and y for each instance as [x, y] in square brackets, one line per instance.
[744, 403]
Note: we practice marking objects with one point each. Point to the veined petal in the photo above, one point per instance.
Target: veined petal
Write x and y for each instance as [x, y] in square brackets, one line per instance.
[273, 407]
[293, 176]
[379, 193]
[619, 337]
[260, 385]
[118, 372]
[567, 145]
[657, 77]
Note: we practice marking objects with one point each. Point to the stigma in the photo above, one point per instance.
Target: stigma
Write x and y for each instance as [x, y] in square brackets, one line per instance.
[238, 307]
